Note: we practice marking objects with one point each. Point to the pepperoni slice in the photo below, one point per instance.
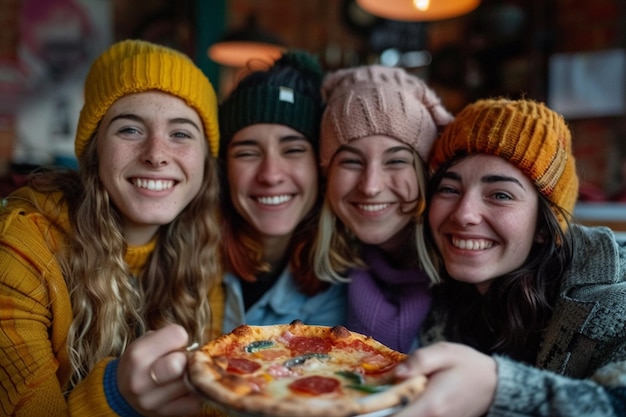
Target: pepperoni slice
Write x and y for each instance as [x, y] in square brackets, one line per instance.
[241, 366]
[300, 345]
[315, 385]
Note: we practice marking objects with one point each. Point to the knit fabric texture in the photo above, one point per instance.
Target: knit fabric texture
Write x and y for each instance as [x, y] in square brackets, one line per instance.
[387, 303]
[36, 312]
[378, 100]
[286, 93]
[527, 134]
[135, 66]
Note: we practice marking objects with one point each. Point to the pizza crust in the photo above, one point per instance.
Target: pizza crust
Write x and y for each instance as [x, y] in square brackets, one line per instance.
[210, 378]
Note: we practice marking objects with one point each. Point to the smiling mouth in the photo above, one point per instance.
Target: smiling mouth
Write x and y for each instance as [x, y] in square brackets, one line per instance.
[274, 200]
[371, 208]
[472, 244]
[153, 185]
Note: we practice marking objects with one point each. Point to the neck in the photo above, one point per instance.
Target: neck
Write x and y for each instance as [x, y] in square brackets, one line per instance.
[400, 249]
[275, 252]
[138, 235]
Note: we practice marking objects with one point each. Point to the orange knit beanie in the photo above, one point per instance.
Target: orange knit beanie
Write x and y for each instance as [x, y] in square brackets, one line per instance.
[526, 133]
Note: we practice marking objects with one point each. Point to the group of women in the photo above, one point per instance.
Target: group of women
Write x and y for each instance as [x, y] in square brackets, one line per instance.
[349, 198]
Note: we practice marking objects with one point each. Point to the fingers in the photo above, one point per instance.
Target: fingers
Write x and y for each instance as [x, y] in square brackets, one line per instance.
[162, 397]
[461, 381]
[157, 343]
[427, 360]
[168, 368]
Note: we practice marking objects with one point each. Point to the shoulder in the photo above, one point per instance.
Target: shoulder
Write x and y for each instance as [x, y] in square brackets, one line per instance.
[593, 290]
[27, 214]
[28, 202]
[599, 258]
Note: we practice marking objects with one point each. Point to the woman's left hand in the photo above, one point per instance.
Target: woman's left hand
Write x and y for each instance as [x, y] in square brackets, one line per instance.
[461, 381]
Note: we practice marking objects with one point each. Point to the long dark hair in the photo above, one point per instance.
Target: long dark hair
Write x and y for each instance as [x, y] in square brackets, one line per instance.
[512, 315]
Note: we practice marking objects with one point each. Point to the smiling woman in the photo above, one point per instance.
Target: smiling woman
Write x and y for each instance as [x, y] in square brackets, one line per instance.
[531, 316]
[108, 272]
[271, 197]
[377, 131]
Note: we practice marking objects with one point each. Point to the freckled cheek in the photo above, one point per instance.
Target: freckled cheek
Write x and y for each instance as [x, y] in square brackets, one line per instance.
[193, 161]
[109, 159]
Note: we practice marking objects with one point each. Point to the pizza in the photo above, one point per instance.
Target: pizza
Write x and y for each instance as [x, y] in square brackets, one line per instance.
[298, 370]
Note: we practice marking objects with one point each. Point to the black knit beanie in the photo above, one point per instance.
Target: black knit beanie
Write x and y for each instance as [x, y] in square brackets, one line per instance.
[287, 93]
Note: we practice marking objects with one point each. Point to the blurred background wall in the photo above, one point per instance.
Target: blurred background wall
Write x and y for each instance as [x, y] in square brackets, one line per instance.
[569, 53]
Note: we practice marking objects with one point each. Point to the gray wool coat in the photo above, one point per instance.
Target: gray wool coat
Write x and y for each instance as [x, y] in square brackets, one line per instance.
[581, 367]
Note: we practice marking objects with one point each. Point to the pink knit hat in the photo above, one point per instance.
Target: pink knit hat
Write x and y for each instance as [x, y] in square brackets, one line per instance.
[378, 100]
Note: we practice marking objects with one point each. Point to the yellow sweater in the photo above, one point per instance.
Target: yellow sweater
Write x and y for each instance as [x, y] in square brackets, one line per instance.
[36, 313]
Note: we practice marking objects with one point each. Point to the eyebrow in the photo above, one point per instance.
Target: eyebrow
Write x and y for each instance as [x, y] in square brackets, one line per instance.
[388, 151]
[175, 120]
[255, 142]
[489, 179]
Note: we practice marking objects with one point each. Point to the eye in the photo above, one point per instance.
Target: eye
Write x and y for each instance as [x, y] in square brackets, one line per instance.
[182, 135]
[295, 150]
[446, 189]
[502, 196]
[399, 162]
[244, 153]
[129, 131]
[349, 162]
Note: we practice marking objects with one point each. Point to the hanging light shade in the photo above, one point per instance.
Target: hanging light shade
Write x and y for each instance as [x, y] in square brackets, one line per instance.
[238, 47]
[418, 10]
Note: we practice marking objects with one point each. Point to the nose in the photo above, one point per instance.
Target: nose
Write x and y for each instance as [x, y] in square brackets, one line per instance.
[155, 151]
[271, 170]
[467, 211]
[372, 181]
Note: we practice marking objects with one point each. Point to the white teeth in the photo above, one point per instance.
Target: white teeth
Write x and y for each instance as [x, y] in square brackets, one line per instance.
[475, 244]
[274, 200]
[373, 207]
[153, 185]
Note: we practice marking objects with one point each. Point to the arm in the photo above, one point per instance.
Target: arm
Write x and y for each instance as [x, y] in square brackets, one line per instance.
[35, 315]
[464, 382]
[542, 393]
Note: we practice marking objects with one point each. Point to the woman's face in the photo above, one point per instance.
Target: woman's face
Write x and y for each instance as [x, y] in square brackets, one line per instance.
[372, 188]
[483, 217]
[273, 178]
[152, 151]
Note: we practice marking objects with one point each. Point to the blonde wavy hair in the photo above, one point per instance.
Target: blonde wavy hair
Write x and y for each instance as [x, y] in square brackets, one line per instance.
[337, 249]
[110, 307]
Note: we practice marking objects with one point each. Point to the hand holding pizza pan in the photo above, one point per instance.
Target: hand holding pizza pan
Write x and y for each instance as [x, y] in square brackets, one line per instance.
[297, 370]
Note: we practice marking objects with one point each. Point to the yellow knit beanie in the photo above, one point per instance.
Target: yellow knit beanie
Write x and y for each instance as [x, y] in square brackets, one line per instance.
[527, 134]
[134, 66]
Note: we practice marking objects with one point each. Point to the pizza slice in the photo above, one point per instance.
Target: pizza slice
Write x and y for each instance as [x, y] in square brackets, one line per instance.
[297, 370]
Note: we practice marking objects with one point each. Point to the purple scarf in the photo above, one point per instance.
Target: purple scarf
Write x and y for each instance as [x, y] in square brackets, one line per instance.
[387, 304]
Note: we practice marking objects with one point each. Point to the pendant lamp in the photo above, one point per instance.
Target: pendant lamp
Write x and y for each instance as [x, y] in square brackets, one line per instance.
[237, 48]
[418, 10]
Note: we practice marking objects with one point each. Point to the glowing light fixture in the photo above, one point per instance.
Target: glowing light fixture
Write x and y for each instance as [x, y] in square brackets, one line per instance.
[418, 10]
[239, 47]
